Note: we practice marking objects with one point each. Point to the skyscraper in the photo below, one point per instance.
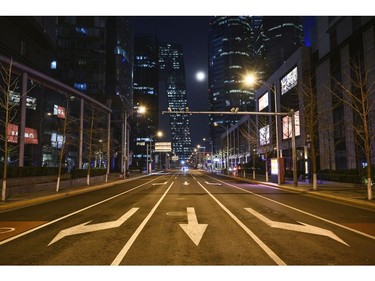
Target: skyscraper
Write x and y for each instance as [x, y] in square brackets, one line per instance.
[172, 71]
[230, 56]
[146, 90]
[239, 45]
[277, 38]
[94, 56]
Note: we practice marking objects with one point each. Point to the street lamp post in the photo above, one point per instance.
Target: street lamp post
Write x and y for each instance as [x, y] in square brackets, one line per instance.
[251, 80]
[159, 134]
[125, 152]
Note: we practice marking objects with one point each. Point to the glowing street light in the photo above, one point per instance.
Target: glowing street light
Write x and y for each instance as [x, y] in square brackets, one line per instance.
[251, 80]
[140, 110]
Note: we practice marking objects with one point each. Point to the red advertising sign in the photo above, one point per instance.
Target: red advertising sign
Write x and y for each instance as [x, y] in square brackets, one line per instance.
[31, 135]
[12, 133]
[59, 111]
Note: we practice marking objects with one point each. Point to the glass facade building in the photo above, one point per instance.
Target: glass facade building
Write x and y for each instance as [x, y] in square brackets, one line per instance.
[146, 93]
[90, 59]
[172, 72]
[276, 39]
[230, 56]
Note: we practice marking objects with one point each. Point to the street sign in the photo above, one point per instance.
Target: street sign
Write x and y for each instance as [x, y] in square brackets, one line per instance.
[163, 147]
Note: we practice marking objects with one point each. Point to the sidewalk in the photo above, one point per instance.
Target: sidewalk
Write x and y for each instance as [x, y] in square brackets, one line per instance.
[33, 198]
[349, 194]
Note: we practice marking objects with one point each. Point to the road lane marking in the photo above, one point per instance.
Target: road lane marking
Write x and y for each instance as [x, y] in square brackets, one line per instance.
[193, 229]
[17, 228]
[120, 256]
[84, 228]
[74, 213]
[6, 229]
[212, 183]
[159, 183]
[261, 244]
[306, 228]
[299, 210]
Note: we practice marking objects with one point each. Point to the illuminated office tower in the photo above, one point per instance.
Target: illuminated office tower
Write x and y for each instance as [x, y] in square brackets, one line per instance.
[146, 92]
[276, 39]
[172, 74]
[230, 57]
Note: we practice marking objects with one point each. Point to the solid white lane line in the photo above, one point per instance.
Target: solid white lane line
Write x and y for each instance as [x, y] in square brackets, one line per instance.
[299, 210]
[130, 242]
[261, 244]
[71, 214]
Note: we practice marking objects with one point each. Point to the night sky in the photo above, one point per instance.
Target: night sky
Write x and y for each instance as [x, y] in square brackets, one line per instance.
[192, 33]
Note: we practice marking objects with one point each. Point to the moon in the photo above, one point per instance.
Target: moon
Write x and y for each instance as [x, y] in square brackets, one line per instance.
[200, 76]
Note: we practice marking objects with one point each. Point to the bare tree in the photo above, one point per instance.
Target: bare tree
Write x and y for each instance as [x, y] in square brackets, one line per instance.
[311, 123]
[66, 130]
[8, 85]
[358, 98]
[94, 136]
[250, 133]
[259, 135]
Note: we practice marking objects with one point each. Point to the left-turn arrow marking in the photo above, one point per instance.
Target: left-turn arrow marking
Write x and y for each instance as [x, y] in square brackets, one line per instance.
[84, 228]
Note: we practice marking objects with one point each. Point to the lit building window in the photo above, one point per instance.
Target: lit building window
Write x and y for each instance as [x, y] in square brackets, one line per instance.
[53, 64]
[80, 86]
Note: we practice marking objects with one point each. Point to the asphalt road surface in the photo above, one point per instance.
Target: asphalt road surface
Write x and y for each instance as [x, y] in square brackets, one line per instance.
[188, 218]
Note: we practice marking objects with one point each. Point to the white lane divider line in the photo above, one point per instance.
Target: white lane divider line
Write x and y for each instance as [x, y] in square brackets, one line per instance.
[261, 244]
[120, 256]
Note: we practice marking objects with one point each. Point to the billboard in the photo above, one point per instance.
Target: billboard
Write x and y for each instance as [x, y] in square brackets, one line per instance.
[287, 126]
[59, 111]
[264, 135]
[289, 81]
[57, 140]
[263, 102]
[163, 146]
[31, 135]
[12, 133]
[14, 99]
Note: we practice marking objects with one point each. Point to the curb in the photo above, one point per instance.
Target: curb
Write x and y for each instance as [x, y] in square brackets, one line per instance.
[59, 195]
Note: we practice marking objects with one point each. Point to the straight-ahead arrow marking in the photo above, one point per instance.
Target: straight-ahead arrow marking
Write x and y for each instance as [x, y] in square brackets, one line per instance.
[193, 229]
[84, 228]
[306, 228]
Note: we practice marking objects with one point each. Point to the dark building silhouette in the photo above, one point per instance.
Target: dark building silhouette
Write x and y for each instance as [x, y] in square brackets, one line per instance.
[172, 74]
[277, 38]
[146, 93]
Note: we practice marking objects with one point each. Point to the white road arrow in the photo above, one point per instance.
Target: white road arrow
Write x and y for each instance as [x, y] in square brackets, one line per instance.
[186, 183]
[84, 228]
[193, 229]
[306, 228]
[213, 183]
[159, 183]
